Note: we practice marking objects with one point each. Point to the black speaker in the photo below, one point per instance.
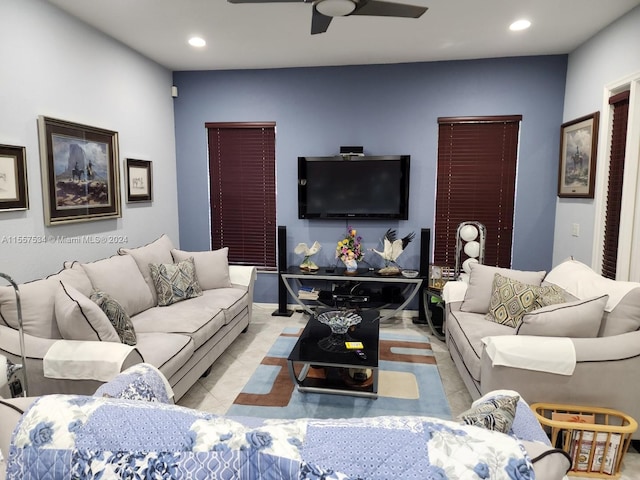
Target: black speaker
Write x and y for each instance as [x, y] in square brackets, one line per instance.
[425, 255]
[282, 267]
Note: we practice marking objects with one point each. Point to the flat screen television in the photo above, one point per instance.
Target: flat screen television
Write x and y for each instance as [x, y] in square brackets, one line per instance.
[375, 187]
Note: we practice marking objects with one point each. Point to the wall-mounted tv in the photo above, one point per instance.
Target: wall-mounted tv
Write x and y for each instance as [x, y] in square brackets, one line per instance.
[375, 187]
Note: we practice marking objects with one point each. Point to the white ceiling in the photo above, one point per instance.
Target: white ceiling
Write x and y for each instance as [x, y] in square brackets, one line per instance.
[277, 35]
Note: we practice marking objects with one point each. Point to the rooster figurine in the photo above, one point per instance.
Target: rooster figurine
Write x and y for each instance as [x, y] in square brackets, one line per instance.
[308, 264]
[393, 248]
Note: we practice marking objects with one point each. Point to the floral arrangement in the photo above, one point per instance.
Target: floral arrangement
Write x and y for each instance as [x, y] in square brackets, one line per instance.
[350, 246]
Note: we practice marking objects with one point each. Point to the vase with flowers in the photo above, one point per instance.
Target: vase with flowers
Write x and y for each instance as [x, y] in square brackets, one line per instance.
[349, 250]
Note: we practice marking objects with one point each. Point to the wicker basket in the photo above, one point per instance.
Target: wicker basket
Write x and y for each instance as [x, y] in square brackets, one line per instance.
[596, 449]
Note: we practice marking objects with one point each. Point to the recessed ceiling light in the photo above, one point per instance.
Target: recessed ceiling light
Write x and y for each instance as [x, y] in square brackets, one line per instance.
[197, 42]
[520, 25]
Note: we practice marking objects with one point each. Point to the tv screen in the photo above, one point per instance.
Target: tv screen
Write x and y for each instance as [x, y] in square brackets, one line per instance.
[357, 187]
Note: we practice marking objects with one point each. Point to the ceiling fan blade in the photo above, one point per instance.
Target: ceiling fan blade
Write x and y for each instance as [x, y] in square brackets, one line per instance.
[319, 22]
[387, 9]
[266, 1]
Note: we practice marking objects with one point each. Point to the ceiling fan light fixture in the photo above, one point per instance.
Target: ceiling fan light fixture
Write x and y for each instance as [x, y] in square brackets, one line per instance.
[335, 8]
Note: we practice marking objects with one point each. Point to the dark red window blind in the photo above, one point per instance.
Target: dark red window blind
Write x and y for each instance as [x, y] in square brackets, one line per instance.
[476, 181]
[242, 168]
[620, 104]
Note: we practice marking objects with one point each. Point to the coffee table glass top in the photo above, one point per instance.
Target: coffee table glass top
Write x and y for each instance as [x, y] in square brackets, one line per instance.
[308, 349]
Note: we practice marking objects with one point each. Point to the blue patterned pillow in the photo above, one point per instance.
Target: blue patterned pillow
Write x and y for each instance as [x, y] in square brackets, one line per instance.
[117, 316]
[495, 413]
[175, 282]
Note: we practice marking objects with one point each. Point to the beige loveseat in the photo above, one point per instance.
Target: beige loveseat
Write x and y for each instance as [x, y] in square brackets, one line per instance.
[71, 345]
[583, 351]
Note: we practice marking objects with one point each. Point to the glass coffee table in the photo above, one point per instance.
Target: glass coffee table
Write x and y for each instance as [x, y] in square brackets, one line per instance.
[320, 362]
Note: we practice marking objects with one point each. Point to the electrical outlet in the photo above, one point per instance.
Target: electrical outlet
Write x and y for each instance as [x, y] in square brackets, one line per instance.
[575, 229]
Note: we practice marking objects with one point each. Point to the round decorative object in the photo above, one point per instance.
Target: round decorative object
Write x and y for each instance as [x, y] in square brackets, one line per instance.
[410, 273]
[468, 233]
[339, 321]
[466, 265]
[472, 249]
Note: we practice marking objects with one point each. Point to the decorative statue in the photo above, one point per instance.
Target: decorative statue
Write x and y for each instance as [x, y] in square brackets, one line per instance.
[308, 264]
[393, 248]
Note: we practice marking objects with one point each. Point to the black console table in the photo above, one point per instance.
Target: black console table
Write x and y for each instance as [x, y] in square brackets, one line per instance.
[293, 277]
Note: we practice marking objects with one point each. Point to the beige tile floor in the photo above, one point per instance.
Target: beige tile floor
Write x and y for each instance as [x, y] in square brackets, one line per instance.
[216, 392]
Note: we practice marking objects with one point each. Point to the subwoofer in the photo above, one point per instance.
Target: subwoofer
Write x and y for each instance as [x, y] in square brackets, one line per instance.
[282, 310]
[425, 255]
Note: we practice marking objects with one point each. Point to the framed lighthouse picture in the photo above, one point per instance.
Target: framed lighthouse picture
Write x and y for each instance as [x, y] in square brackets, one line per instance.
[578, 146]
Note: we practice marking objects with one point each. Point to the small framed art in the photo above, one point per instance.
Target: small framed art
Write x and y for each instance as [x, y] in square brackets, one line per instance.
[13, 178]
[578, 145]
[139, 181]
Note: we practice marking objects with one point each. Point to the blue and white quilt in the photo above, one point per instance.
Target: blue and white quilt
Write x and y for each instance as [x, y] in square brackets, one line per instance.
[71, 436]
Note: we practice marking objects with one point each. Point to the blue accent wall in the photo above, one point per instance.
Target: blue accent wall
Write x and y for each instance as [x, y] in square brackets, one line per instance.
[390, 110]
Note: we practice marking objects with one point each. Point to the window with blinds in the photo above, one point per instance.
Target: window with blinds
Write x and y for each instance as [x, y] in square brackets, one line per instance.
[476, 178]
[243, 191]
[620, 105]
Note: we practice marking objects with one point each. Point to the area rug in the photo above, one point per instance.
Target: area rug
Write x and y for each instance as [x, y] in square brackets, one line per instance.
[409, 384]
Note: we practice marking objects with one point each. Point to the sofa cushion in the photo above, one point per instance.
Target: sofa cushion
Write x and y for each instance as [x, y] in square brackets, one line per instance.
[496, 413]
[79, 318]
[577, 319]
[232, 301]
[467, 330]
[625, 317]
[168, 352]
[117, 316]
[478, 295]
[120, 277]
[198, 318]
[582, 282]
[158, 251]
[212, 267]
[175, 282]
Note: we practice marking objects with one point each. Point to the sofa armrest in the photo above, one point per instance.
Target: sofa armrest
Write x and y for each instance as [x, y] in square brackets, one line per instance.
[35, 347]
[453, 292]
[615, 347]
[242, 276]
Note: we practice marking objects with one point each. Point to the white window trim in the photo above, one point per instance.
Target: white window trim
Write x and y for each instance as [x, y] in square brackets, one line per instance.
[628, 265]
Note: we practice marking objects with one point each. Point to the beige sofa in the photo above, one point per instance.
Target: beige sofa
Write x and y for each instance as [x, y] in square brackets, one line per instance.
[71, 348]
[583, 351]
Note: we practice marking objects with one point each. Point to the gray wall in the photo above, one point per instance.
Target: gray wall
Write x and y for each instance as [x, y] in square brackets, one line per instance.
[55, 66]
[389, 109]
[608, 57]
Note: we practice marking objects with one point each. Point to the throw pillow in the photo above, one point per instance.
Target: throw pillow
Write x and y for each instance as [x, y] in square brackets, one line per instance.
[120, 277]
[510, 300]
[117, 315]
[158, 251]
[79, 318]
[495, 413]
[579, 319]
[478, 295]
[175, 281]
[212, 268]
[550, 295]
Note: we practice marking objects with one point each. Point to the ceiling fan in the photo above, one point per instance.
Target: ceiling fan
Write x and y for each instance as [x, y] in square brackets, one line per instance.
[325, 10]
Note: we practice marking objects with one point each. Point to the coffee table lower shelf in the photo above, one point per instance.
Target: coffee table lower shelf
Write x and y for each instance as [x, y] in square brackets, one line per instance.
[334, 381]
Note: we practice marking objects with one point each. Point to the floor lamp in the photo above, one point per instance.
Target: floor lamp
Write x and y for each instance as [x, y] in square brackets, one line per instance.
[12, 368]
[470, 238]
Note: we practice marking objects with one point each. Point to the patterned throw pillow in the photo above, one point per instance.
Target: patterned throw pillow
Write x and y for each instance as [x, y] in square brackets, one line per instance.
[175, 282]
[550, 295]
[117, 316]
[495, 413]
[510, 300]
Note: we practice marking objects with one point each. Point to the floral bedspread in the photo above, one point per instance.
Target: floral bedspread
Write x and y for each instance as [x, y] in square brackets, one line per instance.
[70, 436]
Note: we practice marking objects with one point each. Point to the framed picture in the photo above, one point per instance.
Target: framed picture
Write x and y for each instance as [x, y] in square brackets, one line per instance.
[13, 178]
[578, 146]
[139, 181]
[80, 177]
